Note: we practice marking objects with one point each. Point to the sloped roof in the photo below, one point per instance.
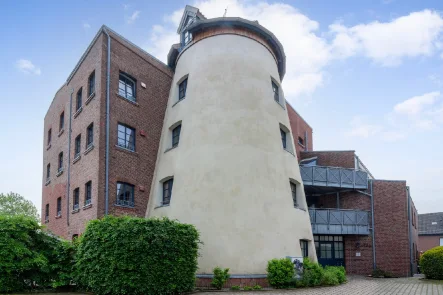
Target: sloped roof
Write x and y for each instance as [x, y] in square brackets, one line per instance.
[430, 223]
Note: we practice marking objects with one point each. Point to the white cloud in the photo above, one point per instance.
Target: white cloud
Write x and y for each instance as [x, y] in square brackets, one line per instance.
[133, 17]
[415, 105]
[86, 26]
[27, 67]
[388, 43]
[361, 129]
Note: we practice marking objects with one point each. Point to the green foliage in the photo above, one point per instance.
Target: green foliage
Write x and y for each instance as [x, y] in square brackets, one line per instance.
[30, 257]
[379, 273]
[312, 273]
[339, 272]
[13, 204]
[257, 287]
[248, 288]
[280, 272]
[431, 263]
[221, 276]
[235, 288]
[329, 278]
[127, 255]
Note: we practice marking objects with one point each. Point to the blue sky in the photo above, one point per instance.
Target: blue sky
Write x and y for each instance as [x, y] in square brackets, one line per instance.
[366, 75]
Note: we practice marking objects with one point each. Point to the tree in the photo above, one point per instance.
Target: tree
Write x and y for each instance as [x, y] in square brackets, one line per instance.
[14, 204]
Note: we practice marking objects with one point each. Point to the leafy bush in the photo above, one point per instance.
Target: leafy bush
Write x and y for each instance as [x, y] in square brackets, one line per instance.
[30, 257]
[339, 272]
[280, 272]
[221, 276]
[235, 288]
[127, 255]
[248, 288]
[312, 273]
[257, 287]
[329, 277]
[431, 263]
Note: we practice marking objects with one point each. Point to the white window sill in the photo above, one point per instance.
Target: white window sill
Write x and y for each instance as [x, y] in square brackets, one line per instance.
[88, 149]
[289, 152]
[78, 112]
[134, 102]
[171, 148]
[48, 181]
[278, 102]
[60, 172]
[161, 206]
[87, 206]
[61, 132]
[75, 211]
[126, 149]
[48, 146]
[90, 98]
[76, 159]
[178, 101]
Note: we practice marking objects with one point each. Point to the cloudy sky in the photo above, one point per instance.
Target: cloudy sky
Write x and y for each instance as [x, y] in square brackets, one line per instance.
[366, 75]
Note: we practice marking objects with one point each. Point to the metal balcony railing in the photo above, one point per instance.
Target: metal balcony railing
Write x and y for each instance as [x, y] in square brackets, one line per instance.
[334, 177]
[339, 221]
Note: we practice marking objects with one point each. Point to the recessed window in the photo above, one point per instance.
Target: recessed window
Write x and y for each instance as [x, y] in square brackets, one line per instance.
[49, 136]
[286, 139]
[78, 103]
[182, 89]
[283, 137]
[187, 37]
[304, 248]
[48, 171]
[441, 241]
[90, 135]
[62, 121]
[167, 191]
[125, 194]
[78, 142]
[275, 91]
[88, 193]
[126, 86]
[47, 213]
[60, 162]
[301, 141]
[126, 137]
[176, 135]
[294, 193]
[76, 203]
[91, 84]
[59, 206]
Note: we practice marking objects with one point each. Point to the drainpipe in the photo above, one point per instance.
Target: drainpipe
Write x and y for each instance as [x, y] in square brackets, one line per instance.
[306, 141]
[108, 71]
[69, 157]
[409, 230]
[374, 262]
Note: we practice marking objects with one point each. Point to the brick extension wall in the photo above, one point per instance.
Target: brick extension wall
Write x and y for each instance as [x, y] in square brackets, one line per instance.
[299, 127]
[427, 242]
[345, 159]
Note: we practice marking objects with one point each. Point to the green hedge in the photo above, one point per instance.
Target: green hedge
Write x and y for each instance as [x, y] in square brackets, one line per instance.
[31, 258]
[280, 272]
[126, 255]
[431, 263]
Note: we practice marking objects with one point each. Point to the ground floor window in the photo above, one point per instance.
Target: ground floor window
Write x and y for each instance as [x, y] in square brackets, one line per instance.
[330, 250]
[441, 241]
[304, 248]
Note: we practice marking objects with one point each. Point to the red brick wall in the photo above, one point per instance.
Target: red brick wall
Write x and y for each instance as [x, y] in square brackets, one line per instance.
[345, 159]
[363, 264]
[205, 283]
[298, 128]
[427, 242]
[391, 226]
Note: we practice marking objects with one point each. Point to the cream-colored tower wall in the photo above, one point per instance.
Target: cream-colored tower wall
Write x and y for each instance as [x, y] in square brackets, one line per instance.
[231, 173]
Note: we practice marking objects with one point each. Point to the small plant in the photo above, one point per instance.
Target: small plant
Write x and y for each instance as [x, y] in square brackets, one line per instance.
[431, 263]
[339, 272]
[312, 273]
[221, 276]
[280, 272]
[379, 273]
[248, 288]
[329, 278]
[235, 288]
[257, 287]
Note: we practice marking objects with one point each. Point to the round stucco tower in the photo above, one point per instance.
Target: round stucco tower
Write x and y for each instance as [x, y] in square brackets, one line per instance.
[227, 172]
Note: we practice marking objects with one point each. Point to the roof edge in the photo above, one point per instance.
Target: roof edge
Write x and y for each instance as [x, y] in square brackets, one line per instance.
[290, 105]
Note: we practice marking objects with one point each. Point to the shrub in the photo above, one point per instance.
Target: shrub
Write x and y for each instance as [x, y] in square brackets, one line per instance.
[30, 257]
[312, 273]
[257, 287]
[127, 255]
[329, 278]
[221, 276]
[248, 288]
[339, 272]
[235, 288]
[280, 272]
[431, 263]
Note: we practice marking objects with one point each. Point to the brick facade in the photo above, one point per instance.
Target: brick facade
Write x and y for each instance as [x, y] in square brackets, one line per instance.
[345, 159]
[146, 116]
[300, 128]
[428, 242]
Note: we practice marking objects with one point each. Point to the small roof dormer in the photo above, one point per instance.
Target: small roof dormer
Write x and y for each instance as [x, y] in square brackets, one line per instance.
[190, 15]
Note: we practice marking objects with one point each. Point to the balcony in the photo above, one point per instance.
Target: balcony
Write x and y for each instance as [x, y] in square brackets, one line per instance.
[339, 221]
[333, 177]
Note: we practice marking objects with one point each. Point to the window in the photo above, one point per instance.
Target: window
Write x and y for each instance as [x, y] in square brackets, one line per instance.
[304, 248]
[182, 89]
[176, 135]
[76, 199]
[125, 194]
[78, 103]
[126, 137]
[91, 84]
[59, 206]
[48, 171]
[301, 141]
[49, 136]
[283, 137]
[309, 162]
[294, 193]
[62, 121]
[441, 241]
[90, 135]
[78, 141]
[187, 37]
[275, 90]
[47, 213]
[88, 193]
[126, 87]
[60, 162]
[167, 191]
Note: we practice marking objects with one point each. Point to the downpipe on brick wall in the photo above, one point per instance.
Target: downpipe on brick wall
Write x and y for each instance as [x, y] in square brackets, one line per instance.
[108, 70]
[69, 157]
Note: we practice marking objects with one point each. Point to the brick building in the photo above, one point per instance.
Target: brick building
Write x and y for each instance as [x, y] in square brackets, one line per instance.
[103, 133]
[430, 231]
[357, 220]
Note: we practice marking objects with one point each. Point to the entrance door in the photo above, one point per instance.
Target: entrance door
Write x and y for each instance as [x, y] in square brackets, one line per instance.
[330, 250]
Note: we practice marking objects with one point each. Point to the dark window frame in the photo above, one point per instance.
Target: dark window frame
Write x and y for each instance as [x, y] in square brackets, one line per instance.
[61, 124]
[283, 138]
[123, 198]
[275, 90]
[127, 137]
[77, 146]
[60, 161]
[88, 193]
[167, 191]
[78, 101]
[176, 135]
[301, 141]
[126, 80]
[48, 171]
[47, 213]
[304, 248]
[49, 136]
[90, 135]
[91, 84]
[59, 206]
[182, 87]
[294, 193]
[76, 199]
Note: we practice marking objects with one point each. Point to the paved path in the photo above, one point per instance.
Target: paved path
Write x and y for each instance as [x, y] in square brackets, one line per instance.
[363, 286]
